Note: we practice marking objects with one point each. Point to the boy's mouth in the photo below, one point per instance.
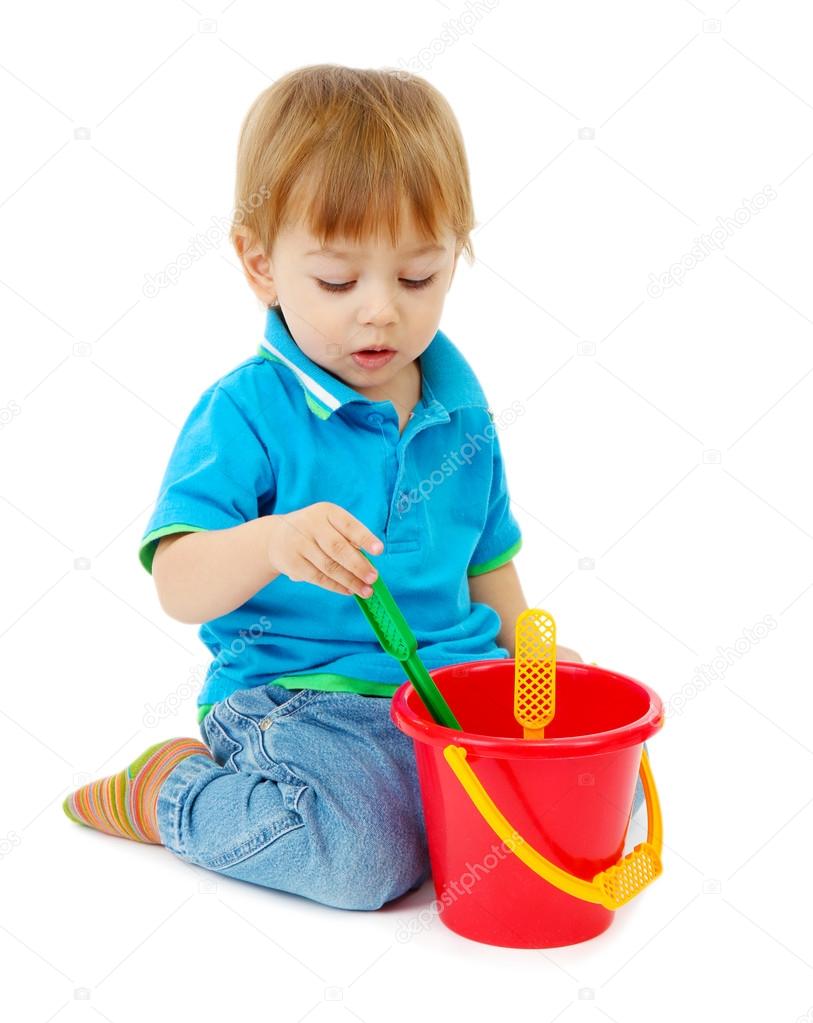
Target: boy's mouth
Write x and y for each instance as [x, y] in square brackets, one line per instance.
[373, 358]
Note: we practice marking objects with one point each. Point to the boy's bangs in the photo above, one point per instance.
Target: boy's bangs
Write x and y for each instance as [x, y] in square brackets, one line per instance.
[353, 200]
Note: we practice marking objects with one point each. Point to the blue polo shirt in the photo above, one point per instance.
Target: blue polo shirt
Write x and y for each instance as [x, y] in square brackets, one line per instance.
[278, 433]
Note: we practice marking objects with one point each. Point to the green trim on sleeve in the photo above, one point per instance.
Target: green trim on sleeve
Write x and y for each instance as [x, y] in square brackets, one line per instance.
[501, 559]
[146, 551]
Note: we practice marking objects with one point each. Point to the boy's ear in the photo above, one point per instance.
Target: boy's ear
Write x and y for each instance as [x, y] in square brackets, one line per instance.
[256, 266]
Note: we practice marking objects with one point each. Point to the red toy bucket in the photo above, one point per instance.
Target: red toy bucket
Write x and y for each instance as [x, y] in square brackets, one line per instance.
[526, 836]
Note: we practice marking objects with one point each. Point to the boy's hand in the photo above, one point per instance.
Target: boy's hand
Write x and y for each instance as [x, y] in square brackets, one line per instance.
[318, 544]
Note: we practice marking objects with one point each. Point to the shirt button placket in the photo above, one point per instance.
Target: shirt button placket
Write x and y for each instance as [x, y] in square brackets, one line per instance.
[376, 419]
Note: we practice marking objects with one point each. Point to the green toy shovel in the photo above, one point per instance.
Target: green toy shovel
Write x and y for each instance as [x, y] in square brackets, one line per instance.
[398, 640]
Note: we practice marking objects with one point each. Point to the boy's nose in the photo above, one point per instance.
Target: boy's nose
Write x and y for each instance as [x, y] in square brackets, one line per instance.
[378, 309]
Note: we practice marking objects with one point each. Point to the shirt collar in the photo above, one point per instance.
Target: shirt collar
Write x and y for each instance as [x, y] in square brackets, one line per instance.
[448, 380]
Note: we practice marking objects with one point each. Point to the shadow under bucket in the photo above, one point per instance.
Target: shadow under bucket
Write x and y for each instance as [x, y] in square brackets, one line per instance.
[567, 799]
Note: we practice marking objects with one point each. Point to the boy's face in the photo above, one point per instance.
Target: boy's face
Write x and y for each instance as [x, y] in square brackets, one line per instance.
[381, 296]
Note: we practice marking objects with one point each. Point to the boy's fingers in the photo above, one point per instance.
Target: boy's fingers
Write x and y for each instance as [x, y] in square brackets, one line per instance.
[354, 530]
[311, 572]
[333, 558]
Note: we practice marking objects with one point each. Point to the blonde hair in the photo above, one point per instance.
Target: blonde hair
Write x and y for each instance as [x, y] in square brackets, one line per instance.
[343, 150]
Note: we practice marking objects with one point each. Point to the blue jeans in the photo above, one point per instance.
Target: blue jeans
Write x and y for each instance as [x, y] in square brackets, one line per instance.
[311, 792]
[638, 798]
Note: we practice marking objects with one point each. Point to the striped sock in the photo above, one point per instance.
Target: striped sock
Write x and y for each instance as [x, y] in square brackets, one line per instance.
[124, 804]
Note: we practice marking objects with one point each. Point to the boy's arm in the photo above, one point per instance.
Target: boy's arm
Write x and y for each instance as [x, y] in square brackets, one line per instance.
[501, 590]
[203, 575]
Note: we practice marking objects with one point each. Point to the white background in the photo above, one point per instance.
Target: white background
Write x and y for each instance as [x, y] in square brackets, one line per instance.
[664, 436]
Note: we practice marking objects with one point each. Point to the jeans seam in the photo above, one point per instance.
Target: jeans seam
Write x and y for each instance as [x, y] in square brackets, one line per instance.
[275, 768]
[170, 802]
[287, 821]
[229, 740]
[304, 697]
[252, 726]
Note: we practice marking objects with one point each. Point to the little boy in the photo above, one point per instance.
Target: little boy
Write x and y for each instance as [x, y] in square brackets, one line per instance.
[356, 425]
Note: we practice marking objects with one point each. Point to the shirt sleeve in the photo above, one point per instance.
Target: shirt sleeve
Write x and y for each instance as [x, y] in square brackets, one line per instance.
[501, 537]
[217, 475]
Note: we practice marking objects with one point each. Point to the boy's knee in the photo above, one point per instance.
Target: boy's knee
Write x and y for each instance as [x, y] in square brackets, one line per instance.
[376, 890]
[385, 865]
[638, 796]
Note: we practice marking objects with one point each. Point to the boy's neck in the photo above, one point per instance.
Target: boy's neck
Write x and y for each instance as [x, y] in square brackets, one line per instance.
[404, 391]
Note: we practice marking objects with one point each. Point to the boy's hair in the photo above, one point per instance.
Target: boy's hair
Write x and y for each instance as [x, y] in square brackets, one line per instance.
[341, 149]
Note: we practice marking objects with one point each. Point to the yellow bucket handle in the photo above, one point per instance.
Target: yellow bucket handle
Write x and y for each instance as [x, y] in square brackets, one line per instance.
[611, 888]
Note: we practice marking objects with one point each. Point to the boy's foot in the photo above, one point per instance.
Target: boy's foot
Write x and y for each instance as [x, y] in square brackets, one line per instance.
[124, 804]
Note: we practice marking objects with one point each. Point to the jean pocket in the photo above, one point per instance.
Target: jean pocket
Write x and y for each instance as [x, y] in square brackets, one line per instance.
[223, 746]
[253, 842]
[237, 743]
[287, 703]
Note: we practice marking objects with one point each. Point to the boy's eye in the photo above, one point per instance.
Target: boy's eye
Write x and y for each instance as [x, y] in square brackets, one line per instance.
[407, 282]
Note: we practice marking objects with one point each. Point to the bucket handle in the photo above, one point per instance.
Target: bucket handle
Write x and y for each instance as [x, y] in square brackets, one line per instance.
[610, 888]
